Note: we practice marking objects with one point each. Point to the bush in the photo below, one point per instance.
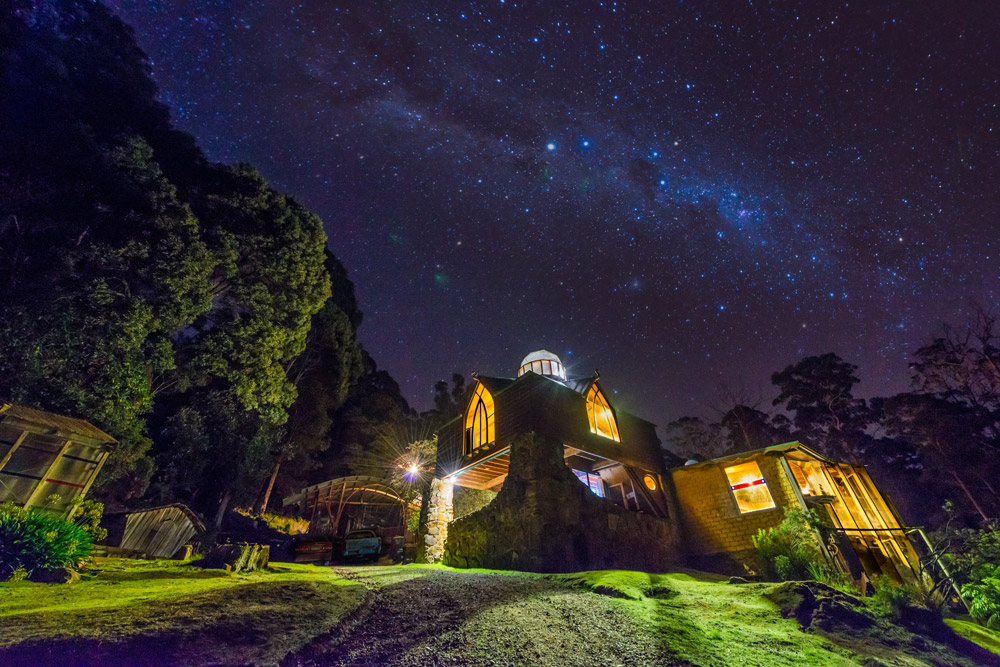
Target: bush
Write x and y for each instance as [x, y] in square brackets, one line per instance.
[789, 551]
[88, 514]
[973, 554]
[984, 600]
[889, 600]
[32, 540]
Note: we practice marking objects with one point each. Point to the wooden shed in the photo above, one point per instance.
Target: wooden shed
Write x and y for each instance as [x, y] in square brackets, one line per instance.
[159, 532]
[43, 455]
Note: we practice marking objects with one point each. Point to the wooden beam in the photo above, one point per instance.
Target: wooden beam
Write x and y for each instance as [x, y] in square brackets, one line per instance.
[93, 475]
[496, 480]
[13, 448]
[38, 487]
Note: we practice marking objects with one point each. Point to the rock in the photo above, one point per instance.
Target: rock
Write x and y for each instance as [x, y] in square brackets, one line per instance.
[814, 604]
[54, 575]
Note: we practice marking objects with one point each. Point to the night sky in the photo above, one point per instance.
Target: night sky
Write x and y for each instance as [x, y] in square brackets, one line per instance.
[677, 194]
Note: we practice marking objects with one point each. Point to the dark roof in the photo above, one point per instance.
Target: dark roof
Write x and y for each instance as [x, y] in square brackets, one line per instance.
[581, 385]
[56, 423]
[495, 385]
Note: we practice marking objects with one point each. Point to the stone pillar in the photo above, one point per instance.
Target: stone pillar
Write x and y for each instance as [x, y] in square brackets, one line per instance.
[439, 515]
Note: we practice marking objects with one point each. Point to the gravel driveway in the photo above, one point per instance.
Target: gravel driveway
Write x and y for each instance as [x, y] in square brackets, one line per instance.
[435, 617]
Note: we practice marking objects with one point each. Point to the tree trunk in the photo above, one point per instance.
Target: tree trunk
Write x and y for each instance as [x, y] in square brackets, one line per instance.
[262, 507]
[223, 506]
[970, 497]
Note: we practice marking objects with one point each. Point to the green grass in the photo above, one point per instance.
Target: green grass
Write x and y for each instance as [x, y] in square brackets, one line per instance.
[702, 620]
[988, 639]
[177, 613]
[625, 584]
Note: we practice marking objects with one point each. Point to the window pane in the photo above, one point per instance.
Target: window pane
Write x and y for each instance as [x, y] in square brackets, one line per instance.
[749, 488]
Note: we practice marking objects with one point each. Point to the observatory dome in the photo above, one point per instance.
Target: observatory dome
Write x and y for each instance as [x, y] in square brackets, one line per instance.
[543, 362]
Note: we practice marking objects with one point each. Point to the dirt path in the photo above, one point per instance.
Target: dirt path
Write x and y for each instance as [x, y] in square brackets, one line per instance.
[435, 617]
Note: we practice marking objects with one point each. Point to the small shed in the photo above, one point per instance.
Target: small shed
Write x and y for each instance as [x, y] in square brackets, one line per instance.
[158, 532]
[43, 454]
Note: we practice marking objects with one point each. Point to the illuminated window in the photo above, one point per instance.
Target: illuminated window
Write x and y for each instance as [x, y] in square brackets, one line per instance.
[592, 480]
[480, 421]
[650, 482]
[602, 419]
[749, 487]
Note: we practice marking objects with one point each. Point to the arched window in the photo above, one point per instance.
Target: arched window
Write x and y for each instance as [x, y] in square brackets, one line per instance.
[602, 419]
[480, 420]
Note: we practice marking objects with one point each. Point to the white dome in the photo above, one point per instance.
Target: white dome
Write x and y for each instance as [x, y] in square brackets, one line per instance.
[542, 362]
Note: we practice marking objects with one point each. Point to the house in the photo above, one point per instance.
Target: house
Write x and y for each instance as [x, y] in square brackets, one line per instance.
[725, 501]
[48, 460]
[583, 484]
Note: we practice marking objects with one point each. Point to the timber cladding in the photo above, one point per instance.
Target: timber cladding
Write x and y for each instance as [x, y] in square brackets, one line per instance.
[713, 524]
[160, 532]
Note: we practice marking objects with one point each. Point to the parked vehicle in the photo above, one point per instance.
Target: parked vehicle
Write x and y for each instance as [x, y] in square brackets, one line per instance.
[363, 543]
[313, 551]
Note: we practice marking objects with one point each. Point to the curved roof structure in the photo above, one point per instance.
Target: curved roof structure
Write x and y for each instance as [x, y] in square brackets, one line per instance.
[354, 490]
[543, 362]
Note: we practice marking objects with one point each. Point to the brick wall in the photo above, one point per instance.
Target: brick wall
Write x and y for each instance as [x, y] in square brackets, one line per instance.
[717, 536]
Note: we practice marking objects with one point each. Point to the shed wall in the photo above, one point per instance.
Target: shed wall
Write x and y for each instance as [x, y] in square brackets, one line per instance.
[717, 536]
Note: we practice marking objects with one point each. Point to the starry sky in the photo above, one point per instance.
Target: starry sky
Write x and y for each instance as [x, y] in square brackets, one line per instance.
[680, 194]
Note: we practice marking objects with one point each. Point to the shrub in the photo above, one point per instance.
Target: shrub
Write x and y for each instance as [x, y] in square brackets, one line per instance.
[87, 514]
[889, 599]
[31, 540]
[789, 551]
[972, 555]
[984, 600]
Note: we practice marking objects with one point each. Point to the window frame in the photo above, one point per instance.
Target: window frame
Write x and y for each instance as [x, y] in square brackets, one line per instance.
[612, 419]
[760, 481]
[472, 421]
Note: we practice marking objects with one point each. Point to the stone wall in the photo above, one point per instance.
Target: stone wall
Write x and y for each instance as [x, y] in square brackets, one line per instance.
[545, 520]
[434, 530]
[718, 537]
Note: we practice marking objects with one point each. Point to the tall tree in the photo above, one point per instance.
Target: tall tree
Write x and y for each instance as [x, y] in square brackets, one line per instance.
[948, 439]
[819, 392]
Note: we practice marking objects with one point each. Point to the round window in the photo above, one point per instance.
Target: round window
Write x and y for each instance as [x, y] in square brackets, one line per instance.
[650, 482]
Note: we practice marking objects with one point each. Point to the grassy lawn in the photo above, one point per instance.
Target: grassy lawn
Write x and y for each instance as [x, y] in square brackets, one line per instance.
[706, 621]
[165, 612]
[988, 639]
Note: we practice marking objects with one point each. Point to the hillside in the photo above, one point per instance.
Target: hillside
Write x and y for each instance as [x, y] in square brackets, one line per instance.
[160, 613]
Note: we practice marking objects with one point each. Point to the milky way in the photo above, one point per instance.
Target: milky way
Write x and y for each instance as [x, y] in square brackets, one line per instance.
[678, 194]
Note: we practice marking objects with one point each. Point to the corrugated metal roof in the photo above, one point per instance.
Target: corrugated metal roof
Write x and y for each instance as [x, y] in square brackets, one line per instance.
[56, 423]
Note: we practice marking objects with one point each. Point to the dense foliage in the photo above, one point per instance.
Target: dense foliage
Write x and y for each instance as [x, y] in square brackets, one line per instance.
[790, 551]
[31, 540]
[183, 306]
[983, 599]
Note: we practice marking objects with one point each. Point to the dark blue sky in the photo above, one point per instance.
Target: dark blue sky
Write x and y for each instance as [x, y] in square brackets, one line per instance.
[678, 194]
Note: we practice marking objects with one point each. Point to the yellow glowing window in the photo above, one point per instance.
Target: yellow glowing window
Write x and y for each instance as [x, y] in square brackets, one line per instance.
[480, 420]
[602, 419]
[749, 487]
[650, 482]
